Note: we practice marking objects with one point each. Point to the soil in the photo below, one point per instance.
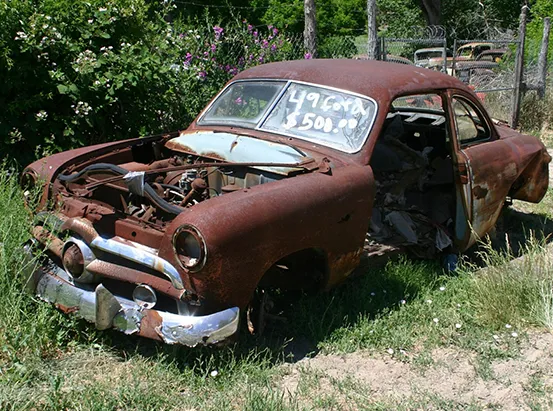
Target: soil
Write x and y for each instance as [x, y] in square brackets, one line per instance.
[512, 384]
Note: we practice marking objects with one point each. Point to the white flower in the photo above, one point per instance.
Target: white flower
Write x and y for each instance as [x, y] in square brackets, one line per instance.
[384, 291]
[458, 305]
[41, 115]
[442, 288]
[496, 337]
[102, 9]
[373, 294]
[458, 326]
[90, 21]
[429, 301]
[402, 302]
[214, 373]
[507, 325]
[390, 351]
[436, 320]
[514, 334]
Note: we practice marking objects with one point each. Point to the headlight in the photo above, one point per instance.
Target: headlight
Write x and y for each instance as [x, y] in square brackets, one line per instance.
[190, 248]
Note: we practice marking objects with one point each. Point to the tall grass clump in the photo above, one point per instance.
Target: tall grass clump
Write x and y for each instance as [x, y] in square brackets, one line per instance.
[27, 330]
[514, 291]
[536, 114]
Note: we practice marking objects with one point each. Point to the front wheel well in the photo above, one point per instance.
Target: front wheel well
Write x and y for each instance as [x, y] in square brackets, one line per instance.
[305, 269]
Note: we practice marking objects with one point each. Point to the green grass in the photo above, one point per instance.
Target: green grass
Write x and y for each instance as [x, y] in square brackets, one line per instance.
[51, 361]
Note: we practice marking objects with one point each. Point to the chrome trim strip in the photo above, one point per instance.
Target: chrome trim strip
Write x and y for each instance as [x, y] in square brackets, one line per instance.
[139, 256]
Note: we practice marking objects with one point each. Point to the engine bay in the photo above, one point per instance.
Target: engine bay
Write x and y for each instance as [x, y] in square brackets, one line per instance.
[160, 183]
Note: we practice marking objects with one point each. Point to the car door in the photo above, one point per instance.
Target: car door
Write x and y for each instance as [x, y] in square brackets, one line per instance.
[485, 166]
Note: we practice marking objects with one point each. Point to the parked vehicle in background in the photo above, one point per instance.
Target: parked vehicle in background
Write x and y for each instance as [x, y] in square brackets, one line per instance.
[286, 180]
[470, 51]
[423, 56]
[392, 58]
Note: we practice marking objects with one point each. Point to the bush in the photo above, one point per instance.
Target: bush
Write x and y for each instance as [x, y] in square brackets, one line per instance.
[77, 73]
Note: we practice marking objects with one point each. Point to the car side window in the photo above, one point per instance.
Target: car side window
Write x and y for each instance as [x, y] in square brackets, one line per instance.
[469, 122]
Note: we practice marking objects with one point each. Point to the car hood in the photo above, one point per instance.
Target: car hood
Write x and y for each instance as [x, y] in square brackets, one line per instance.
[239, 149]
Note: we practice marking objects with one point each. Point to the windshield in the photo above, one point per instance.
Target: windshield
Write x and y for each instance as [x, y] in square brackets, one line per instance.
[332, 118]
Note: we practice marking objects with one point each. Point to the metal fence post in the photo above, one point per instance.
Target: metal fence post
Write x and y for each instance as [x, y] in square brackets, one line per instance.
[444, 55]
[519, 68]
[454, 57]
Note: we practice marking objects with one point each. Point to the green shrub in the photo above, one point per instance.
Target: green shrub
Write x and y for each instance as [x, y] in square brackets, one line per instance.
[77, 73]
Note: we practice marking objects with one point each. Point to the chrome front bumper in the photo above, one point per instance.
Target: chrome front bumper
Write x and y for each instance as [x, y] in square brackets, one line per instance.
[98, 305]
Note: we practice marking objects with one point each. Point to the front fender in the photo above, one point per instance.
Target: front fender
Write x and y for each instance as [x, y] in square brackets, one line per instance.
[249, 230]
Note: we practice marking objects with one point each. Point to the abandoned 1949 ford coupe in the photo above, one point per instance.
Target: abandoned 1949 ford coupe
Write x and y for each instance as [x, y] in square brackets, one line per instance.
[287, 178]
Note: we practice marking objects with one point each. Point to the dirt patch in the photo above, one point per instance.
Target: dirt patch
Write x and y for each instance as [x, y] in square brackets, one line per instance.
[454, 376]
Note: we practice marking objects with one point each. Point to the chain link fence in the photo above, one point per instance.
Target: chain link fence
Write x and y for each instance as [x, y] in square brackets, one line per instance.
[485, 65]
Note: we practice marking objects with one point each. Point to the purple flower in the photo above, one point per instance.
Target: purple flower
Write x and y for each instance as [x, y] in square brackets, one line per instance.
[264, 44]
[218, 32]
[251, 57]
[270, 26]
[213, 48]
[307, 56]
[261, 59]
[255, 33]
[250, 27]
[275, 31]
[238, 100]
[202, 74]
[273, 47]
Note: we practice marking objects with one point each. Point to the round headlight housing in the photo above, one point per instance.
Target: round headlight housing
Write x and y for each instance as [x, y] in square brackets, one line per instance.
[190, 248]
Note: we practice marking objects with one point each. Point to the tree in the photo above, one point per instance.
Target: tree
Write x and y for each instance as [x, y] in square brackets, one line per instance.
[432, 11]
[310, 32]
[372, 36]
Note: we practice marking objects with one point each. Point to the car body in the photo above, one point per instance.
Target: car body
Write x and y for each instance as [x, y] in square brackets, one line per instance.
[467, 53]
[287, 179]
[470, 51]
[476, 72]
[422, 57]
[495, 55]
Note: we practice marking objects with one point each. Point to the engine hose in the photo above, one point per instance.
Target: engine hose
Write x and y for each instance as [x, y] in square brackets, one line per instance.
[149, 192]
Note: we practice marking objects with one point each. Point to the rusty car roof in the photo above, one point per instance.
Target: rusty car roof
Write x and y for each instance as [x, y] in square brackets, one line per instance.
[377, 79]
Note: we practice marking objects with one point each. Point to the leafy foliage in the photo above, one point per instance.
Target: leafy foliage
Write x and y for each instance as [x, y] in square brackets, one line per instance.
[72, 74]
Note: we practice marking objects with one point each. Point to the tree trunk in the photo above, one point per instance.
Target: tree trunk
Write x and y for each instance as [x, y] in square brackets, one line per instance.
[432, 10]
[542, 60]
[310, 31]
[372, 42]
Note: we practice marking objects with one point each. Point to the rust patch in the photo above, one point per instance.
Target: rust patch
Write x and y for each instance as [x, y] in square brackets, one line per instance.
[150, 323]
[479, 192]
[66, 310]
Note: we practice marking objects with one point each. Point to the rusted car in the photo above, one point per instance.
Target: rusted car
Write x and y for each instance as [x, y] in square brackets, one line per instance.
[293, 173]
[423, 57]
